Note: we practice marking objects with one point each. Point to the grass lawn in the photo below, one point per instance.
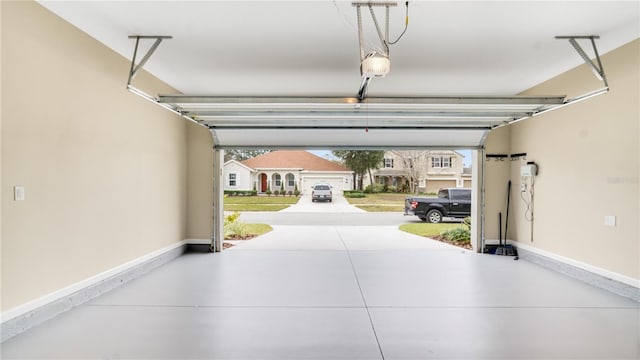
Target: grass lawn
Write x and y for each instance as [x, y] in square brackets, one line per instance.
[381, 202]
[258, 229]
[261, 200]
[381, 208]
[254, 207]
[253, 230]
[258, 203]
[427, 229]
[379, 199]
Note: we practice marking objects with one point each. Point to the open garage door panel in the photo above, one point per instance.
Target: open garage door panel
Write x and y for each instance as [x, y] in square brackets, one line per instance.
[346, 122]
[348, 138]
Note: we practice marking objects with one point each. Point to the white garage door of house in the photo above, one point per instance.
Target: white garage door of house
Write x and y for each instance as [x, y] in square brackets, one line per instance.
[335, 182]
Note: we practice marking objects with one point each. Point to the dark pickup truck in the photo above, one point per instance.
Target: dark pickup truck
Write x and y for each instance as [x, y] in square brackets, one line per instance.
[455, 203]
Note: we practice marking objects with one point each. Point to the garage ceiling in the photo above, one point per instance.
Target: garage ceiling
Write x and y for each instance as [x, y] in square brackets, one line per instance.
[290, 69]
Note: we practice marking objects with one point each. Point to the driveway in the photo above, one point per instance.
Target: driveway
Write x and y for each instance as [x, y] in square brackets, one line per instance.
[338, 205]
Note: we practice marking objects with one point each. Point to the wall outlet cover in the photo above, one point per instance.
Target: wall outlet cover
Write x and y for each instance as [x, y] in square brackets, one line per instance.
[610, 220]
[18, 193]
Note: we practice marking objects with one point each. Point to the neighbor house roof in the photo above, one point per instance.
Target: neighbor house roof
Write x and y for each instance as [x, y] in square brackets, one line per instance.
[292, 159]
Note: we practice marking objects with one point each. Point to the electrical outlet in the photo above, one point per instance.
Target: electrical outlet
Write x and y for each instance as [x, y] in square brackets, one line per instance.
[18, 193]
[523, 187]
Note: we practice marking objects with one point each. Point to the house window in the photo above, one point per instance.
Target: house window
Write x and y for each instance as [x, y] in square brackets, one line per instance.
[441, 162]
[277, 180]
[232, 179]
[388, 163]
[291, 180]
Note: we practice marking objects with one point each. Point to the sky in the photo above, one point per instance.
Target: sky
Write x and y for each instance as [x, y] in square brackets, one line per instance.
[327, 154]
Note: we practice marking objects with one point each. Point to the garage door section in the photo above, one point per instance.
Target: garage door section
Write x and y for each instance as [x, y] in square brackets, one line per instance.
[348, 122]
[336, 183]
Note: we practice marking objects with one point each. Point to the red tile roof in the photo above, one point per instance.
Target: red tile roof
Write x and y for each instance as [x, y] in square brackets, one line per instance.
[292, 159]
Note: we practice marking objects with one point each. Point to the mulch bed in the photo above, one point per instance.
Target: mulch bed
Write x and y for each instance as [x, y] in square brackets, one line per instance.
[464, 245]
[226, 245]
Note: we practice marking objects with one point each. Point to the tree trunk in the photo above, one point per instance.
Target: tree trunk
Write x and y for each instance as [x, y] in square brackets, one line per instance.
[370, 179]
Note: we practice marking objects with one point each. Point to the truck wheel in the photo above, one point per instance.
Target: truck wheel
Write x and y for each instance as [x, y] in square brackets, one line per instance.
[434, 216]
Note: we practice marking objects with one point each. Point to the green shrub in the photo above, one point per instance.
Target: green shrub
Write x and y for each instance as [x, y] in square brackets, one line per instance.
[376, 188]
[392, 188]
[233, 226]
[459, 234]
[467, 222]
[241, 192]
[276, 192]
[354, 195]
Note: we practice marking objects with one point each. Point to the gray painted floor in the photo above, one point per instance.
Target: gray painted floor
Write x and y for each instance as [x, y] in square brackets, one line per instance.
[343, 292]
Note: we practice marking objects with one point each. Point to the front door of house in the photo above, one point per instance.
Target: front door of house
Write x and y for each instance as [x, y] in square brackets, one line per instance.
[263, 182]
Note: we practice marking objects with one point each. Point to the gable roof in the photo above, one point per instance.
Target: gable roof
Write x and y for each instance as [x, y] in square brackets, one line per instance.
[237, 162]
[292, 159]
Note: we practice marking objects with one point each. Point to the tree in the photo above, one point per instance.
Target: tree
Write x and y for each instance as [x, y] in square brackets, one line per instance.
[360, 161]
[415, 166]
[243, 154]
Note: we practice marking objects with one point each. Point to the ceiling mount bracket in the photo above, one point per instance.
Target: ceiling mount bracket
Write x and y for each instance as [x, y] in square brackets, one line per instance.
[135, 68]
[598, 70]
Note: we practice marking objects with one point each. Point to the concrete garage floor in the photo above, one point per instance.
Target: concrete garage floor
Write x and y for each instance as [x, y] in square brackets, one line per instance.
[343, 292]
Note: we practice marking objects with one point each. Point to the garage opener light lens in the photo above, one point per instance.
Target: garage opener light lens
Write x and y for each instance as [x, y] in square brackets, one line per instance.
[375, 65]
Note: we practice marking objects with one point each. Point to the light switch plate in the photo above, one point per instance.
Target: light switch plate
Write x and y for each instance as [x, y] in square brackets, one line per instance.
[18, 193]
[610, 220]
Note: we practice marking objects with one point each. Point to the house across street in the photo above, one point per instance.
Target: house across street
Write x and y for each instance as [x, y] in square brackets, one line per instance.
[286, 170]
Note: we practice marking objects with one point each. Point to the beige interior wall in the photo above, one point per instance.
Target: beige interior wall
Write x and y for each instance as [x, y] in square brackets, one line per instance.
[588, 157]
[105, 171]
[200, 183]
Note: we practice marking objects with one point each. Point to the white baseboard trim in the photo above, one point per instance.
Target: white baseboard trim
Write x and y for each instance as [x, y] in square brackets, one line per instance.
[198, 241]
[35, 312]
[581, 265]
[605, 279]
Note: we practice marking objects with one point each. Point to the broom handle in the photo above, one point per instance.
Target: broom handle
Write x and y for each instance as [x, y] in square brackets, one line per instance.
[500, 228]
[506, 220]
